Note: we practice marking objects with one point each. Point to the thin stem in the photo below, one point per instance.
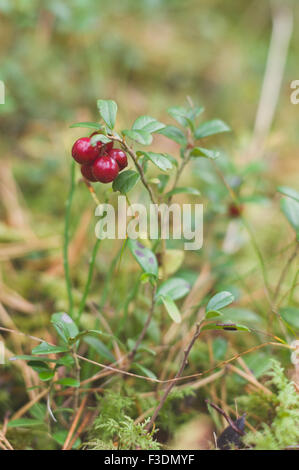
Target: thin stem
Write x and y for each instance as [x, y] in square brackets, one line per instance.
[67, 238]
[284, 273]
[178, 374]
[250, 232]
[89, 278]
[146, 325]
[140, 170]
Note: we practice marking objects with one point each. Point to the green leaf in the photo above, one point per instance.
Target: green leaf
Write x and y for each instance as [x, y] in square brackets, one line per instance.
[213, 314]
[142, 137]
[64, 325]
[185, 116]
[26, 357]
[144, 257]
[290, 208]
[24, 423]
[108, 111]
[163, 180]
[220, 300]
[39, 366]
[45, 348]
[225, 327]
[175, 134]
[216, 126]
[68, 382]
[90, 125]
[202, 152]
[125, 181]
[185, 190]
[175, 288]
[145, 371]
[291, 316]
[292, 193]
[147, 124]
[172, 309]
[99, 138]
[46, 375]
[99, 347]
[160, 160]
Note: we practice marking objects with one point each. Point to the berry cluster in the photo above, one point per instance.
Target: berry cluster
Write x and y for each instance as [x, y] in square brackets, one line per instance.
[100, 162]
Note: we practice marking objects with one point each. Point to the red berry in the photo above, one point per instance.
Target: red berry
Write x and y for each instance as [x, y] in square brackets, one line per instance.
[235, 210]
[120, 156]
[86, 171]
[83, 152]
[105, 169]
[103, 148]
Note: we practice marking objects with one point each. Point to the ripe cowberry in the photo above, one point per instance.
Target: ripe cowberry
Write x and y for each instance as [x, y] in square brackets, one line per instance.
[235, 210]
[86, 171]
[103, 148]
[120, 157]
[105, 169]
[83, 152]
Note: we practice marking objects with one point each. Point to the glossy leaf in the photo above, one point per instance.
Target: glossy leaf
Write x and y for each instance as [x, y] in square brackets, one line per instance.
[108, 111]
[225, 327]
[172, 309]
[160, 160]
[144, 257]
[184, 190]
[45, 348]
[64, 325]
[292, 193]
[125, 181]
[175, 134]
[216, 126]
[291, 316]
[148, 124]
[142, 137]
[175, 288]
[68, 382]
[290, 208]
[89, 125]
[220, 300]
[206, 153]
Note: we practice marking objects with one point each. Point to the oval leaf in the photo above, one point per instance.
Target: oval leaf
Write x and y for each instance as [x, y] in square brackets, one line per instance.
[108, 111]
[175, 288]
[125, 181]
[144, 257]
[147, 124]
[142, 137]
[172, 309]
[89, 125]
[216, 126]
[220, 300]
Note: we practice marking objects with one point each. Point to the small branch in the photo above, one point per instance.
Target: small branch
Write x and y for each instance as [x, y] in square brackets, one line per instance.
[228, 419]
[77, 370]
[140, 170]
[74, 423]
[146, 325]
[172, 384]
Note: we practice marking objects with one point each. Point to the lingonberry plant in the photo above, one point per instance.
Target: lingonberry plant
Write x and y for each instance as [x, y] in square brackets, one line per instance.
[68, 368]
